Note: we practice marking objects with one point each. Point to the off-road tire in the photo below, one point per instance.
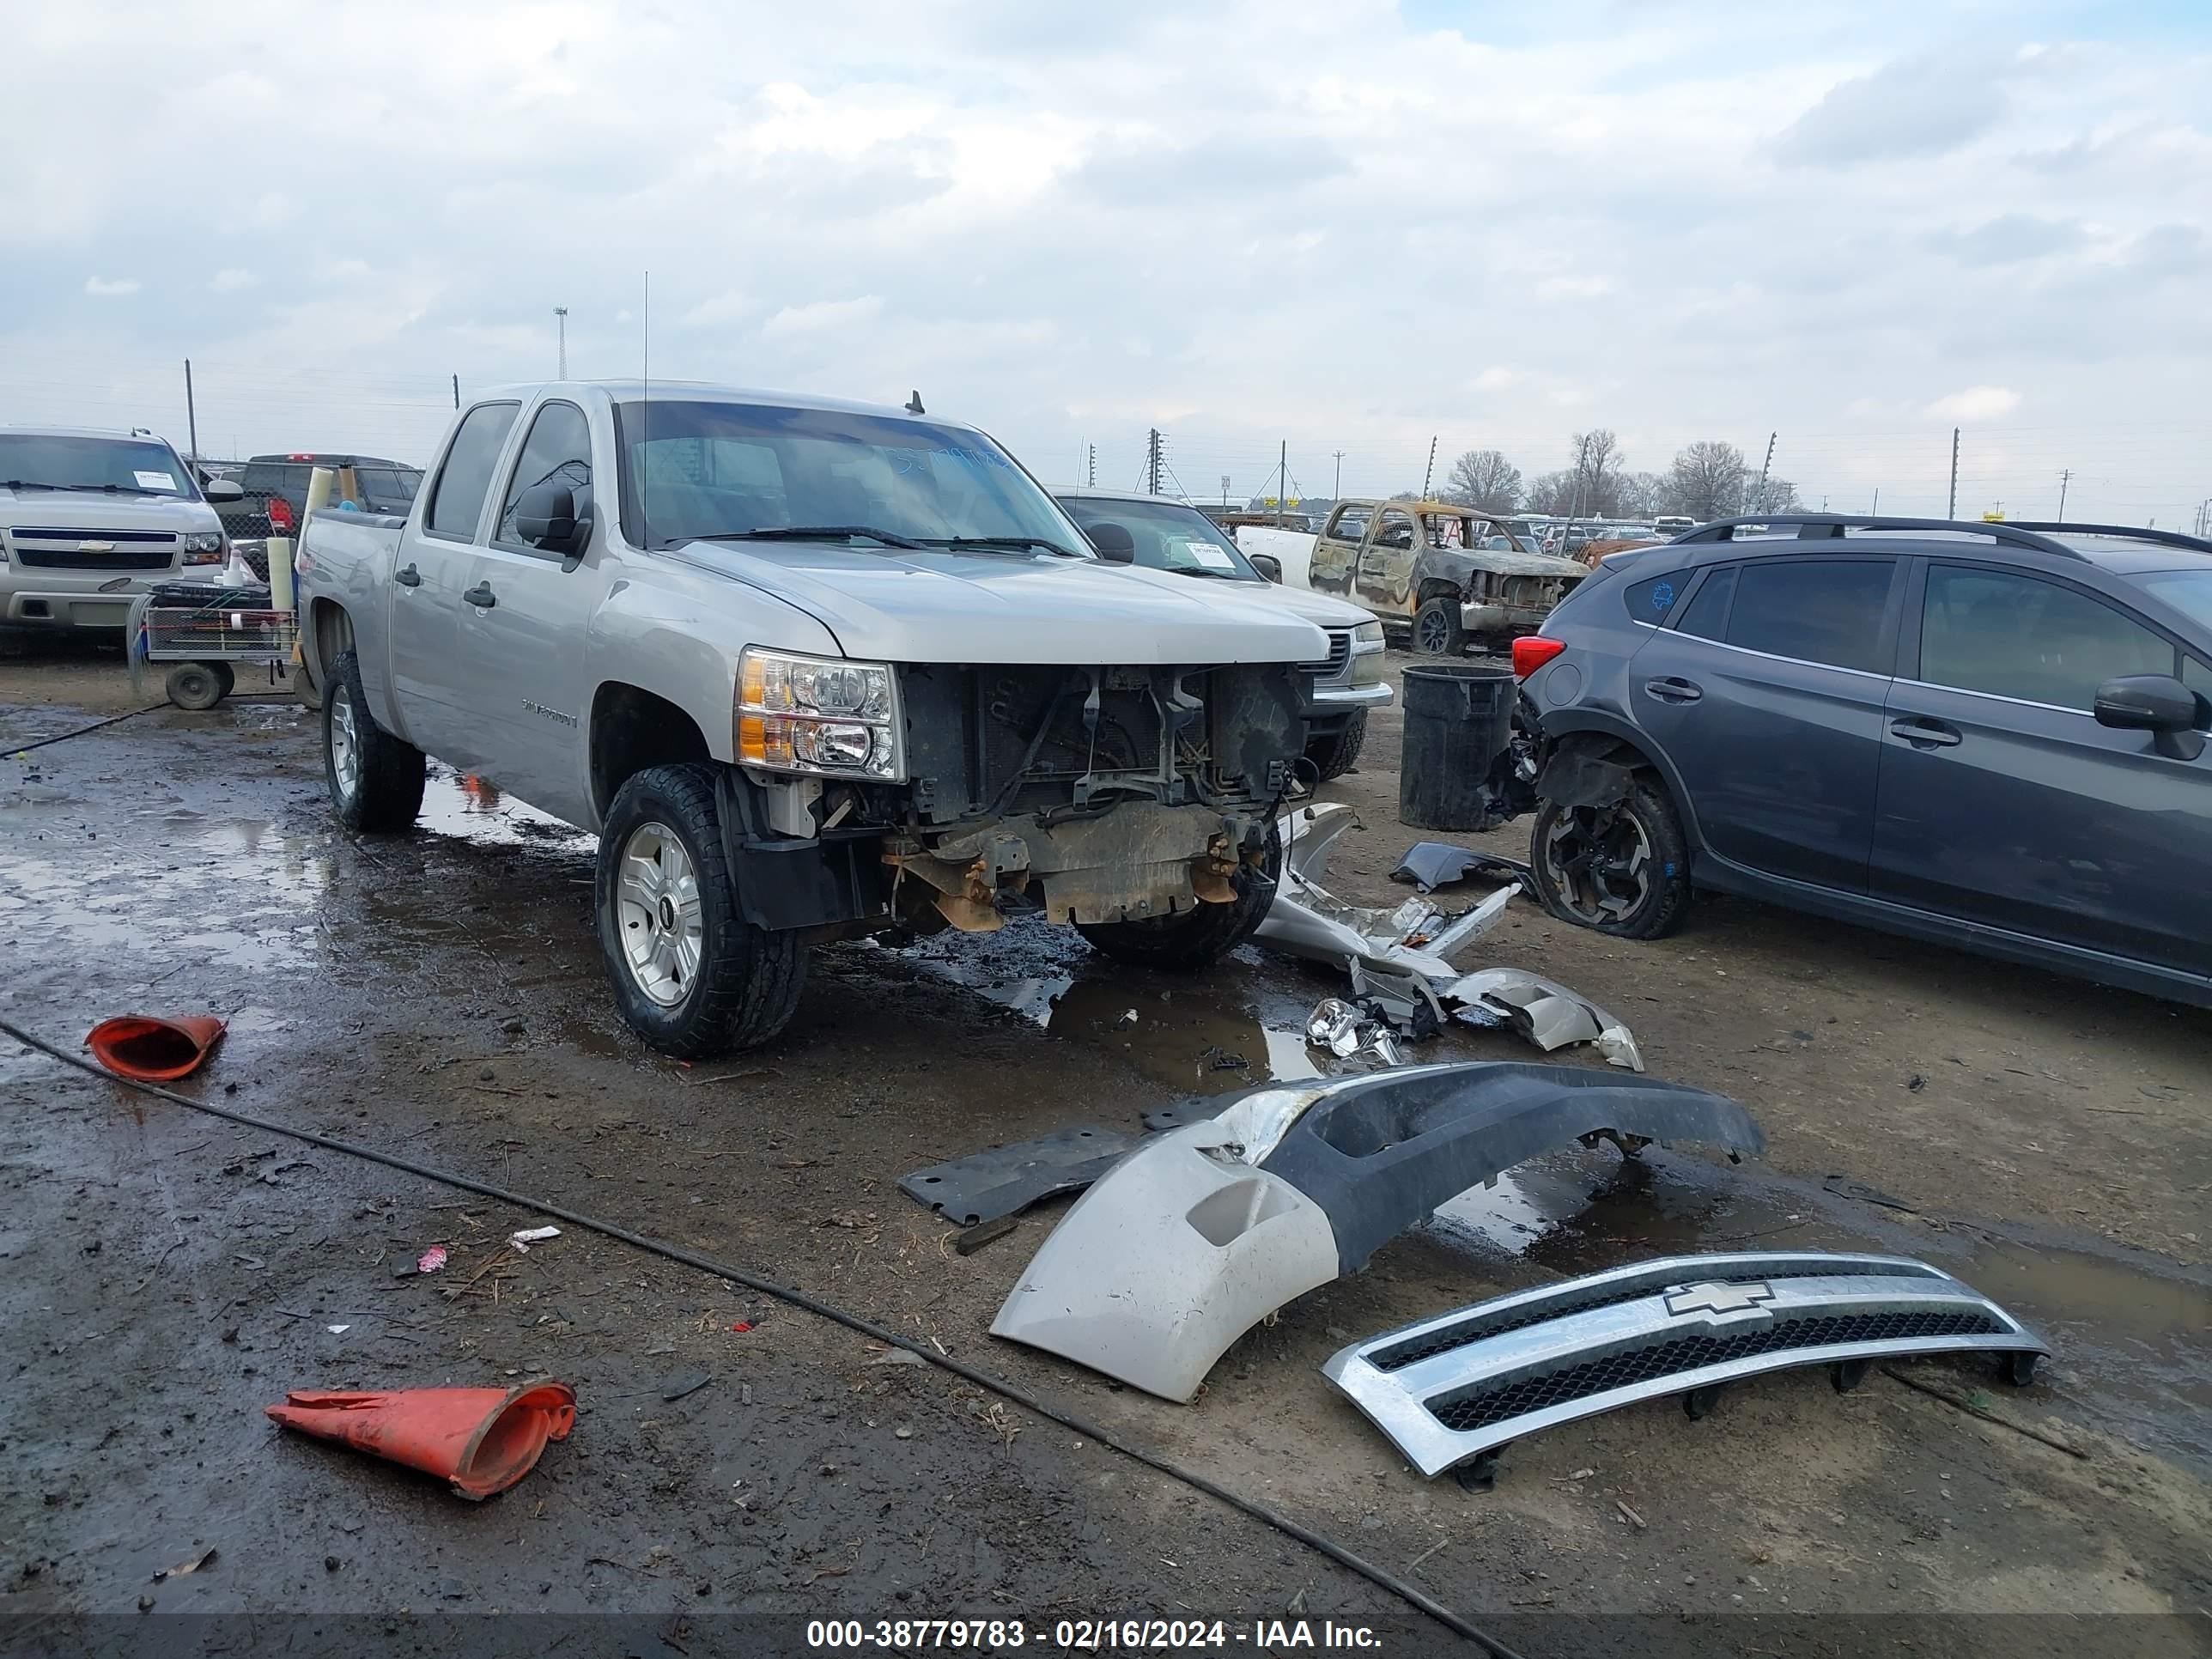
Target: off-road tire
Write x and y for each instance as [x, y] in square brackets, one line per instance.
[198, 686]
[748, 981]
[387, 796]
[1666, 900]
[1196, 938]
[1334, 755]
[1437, 630]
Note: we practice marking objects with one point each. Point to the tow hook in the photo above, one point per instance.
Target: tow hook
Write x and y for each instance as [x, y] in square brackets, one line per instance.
[1210, 871]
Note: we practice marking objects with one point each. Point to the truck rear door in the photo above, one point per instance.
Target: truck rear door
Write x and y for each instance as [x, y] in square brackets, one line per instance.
[434, 569]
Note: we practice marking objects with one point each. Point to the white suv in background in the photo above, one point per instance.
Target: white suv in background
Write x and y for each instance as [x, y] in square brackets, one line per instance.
[89, 519]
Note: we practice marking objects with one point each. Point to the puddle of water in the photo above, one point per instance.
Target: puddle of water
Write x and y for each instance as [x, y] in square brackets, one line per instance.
[475, 809]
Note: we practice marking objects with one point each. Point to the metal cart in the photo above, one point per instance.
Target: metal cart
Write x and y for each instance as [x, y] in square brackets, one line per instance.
[203, 632]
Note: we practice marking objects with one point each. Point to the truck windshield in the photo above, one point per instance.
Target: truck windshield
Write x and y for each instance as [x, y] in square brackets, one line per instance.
[1168, 536]
[131, 466]
[719, 469]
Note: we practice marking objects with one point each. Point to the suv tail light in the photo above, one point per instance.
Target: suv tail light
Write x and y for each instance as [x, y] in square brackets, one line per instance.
[1531, 651]
[280, 516]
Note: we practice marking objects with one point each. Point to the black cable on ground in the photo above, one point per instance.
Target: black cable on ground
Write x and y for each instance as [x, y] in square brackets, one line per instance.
[1020, 1396]
[26, 748]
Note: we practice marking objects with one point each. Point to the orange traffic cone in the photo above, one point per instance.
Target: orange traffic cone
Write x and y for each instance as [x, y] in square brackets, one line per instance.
[153, 1050]
[479, 1440]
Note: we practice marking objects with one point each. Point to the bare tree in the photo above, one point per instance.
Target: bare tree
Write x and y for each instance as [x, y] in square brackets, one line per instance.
[1775, 495]
[1551, 492]
[1709, 480]
[1598, 469]
[1483, 477]
[1642, 495]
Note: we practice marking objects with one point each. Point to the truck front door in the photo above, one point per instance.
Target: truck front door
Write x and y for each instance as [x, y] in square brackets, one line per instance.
[523, 635]
[1384, 584]
[434, 567]
[1337, 547]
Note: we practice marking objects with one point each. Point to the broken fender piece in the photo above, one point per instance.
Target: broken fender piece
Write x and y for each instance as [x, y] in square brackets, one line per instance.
[1004, 1180]
[1546, 1012]
[1192, 1239]
[1432, 864]
[1461, 1385]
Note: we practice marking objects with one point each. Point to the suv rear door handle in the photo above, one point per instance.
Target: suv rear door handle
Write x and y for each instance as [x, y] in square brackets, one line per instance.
[409, 577]
[1922, 732]
[480, 596]
[1671, 689]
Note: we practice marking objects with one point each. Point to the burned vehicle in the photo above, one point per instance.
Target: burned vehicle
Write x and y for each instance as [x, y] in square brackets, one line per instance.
[1451, 575]
[809, 669]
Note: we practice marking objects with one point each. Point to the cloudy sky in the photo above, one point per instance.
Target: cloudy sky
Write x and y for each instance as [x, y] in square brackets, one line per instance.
[1351, 225]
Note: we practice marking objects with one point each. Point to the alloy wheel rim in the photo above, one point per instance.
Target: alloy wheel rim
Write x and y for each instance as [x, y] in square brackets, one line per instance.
[658, 913]
[345, 743]
[1599, 860]
[1433, 633]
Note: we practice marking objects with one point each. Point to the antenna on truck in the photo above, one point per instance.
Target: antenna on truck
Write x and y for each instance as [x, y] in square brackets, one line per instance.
[645, 444]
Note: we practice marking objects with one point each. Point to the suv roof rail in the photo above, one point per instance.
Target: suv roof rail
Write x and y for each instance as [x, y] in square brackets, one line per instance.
[2120, 532]
[1822, 526]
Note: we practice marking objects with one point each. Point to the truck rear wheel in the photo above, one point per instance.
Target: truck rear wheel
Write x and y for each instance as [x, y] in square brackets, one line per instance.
[1195, 937]
[1338, 753]
[1437, 630]
[691, 974]
[375, 779]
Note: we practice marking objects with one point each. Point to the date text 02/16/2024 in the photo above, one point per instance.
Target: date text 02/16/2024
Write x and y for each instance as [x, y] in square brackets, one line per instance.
[1088, 1635]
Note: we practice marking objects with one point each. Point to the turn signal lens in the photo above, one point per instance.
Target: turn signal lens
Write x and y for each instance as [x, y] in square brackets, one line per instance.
[1531, 651]
[829, 717]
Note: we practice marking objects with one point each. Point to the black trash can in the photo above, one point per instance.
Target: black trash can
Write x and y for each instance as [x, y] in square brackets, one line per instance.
[1459, 719]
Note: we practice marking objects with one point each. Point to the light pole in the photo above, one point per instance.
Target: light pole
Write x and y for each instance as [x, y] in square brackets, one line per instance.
[561, 322]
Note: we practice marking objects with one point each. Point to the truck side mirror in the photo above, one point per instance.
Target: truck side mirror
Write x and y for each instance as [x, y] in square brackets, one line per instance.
[1114, 542]
[223, 489]
[2157, 703]
[1268, 565]
[556, 519]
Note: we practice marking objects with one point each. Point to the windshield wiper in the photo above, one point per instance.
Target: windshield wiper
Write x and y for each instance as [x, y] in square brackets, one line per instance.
[96, 490]
[1002, 541]
[810, 532]
[1210, 575]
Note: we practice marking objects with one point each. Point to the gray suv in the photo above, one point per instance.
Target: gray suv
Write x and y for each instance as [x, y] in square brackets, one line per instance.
[1988, 735]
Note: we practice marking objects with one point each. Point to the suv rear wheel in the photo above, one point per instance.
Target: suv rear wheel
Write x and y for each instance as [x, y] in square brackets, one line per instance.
[691, 974]
[1623, 869]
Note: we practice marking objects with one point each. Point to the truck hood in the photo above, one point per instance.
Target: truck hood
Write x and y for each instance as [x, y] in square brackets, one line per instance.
[979, 608]
[77, 509]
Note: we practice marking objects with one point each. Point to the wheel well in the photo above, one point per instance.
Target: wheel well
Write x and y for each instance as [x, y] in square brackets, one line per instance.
[333, 632]
[631, 730]
[1603, 745]
[1434, 587]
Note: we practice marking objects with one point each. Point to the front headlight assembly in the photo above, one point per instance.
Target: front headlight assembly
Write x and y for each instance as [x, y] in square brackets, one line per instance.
[205, 547]
[824, 717]
[1367, 654]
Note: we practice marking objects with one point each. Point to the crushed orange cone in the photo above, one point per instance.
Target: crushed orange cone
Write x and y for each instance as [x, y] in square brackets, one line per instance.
[479, 1441]
[153, 1049]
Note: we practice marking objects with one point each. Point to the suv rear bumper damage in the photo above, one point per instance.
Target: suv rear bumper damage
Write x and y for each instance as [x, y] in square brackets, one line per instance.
[1197, 1236]
[1450, 1388]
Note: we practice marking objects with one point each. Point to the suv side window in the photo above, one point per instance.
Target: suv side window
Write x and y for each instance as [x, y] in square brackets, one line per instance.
[2014, 635]
[557, 451]
[1397, 529]
[1707, 615]
[457, 497]
[1820, 609]
[2198, 679]
[1650, 599]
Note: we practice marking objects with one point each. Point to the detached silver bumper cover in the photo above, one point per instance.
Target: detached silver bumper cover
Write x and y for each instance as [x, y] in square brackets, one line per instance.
[1447, 1389]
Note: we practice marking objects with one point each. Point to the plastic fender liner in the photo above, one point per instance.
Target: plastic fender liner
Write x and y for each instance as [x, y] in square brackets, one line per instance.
[1195, 1237]
[1461, 1384]
[1378, 1153]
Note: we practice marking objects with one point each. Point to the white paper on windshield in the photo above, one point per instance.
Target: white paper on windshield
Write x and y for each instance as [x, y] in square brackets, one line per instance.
[154, 480]
[1210, 556]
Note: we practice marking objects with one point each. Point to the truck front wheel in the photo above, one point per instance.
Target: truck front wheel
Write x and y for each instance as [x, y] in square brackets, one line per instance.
[1198, 937]
[691, 974]
[375, 779]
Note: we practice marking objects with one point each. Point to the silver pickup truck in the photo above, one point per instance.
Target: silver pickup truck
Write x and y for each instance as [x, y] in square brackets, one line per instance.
[809, 669]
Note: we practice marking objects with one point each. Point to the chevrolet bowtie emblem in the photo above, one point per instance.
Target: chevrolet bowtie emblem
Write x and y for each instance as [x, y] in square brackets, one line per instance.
[1715, 1298]
[96, 547]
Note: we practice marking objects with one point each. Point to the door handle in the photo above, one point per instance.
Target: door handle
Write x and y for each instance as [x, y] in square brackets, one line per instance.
[1923, 732]
[480, 596]
[1671, 689]
[409, 577]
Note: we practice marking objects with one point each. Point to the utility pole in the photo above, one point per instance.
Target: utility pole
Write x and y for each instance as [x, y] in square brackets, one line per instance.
[1429, 475]
[1876, 512]
[1282, 482]
[1152, 462]
[1339, 485]
[1765, 467]
[192, 418]
[561, 322]
[2065, 476]
[1952, 511]
[457, 392]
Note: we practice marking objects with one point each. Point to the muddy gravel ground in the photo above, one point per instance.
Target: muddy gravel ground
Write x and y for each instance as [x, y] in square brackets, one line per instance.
[164, 1273]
